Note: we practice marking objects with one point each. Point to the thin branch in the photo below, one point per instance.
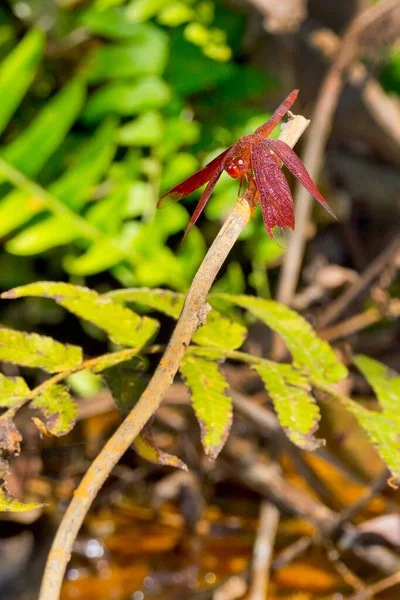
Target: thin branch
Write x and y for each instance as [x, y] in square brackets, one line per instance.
[317, 138]
[193, 315]
[263, 547]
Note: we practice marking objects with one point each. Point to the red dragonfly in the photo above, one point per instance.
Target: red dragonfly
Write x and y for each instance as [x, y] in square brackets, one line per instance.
[256, 159]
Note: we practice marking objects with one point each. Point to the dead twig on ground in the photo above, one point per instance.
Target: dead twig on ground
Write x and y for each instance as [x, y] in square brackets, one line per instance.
[263, 547]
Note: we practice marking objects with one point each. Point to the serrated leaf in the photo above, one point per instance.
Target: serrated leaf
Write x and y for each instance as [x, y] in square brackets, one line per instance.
[30, 151]
[122, 325]
[165, 301]
[307, 349]
[220, 332]
[10, 504]
[11, 390]
[58, 407]
[297, 411]
[145, 55]
[146, 448]
[383, 432]
[126, 99]
[17, 72]
[212, 405]
[33, 350]
[385, 386]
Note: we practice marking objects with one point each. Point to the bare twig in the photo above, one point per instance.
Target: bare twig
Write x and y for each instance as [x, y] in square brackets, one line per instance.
[193, 315]
[376, 588]
[337, 307]
[318, 135]
[263, 547]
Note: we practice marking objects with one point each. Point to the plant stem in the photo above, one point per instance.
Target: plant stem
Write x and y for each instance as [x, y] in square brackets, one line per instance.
[193, 314]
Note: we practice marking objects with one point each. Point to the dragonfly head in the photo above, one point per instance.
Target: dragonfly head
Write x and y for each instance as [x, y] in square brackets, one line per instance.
[236, 167]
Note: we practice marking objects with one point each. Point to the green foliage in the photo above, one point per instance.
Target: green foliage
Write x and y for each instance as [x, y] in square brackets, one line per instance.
[210, 401]
[308, 350]
[58, 407]
[23, 60]
[33, 350]
[12, 389]
[9, 504]
[295, 407]
[122, 325]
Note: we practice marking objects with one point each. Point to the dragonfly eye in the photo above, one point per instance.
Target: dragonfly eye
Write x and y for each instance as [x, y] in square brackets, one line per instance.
[236, 168]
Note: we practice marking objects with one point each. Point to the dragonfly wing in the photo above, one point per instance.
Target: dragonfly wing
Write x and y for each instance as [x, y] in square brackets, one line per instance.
[297, 168]
[204, 199]
[275, 196]
[280, 112]
[193, 182]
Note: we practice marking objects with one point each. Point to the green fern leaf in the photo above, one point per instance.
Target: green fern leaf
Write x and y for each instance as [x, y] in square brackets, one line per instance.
[100, 256]
[59, 409]
[297, 411]
[307, 349]
[112, 359]
[32, 350]
[17, 72]
[164, 301]
[122, 325]
[383, 432]
[386, 388]
[12, 389]
[212, 405]
[31, 150]
[10, 504]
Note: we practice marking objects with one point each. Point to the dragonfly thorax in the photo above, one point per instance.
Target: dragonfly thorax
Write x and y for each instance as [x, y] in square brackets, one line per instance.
[236, 167]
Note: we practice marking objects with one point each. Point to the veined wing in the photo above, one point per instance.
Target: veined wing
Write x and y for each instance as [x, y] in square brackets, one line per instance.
[298, 169]
[275, 196]
[280, 112]
[193, 182]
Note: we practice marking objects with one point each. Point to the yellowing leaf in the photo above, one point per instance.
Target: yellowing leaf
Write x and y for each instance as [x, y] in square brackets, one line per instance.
[386, 387]
[165, 301]
[122, 325]
[220, 332]
[10, 504]
[59, 409]
[307, 349]
[11, 390]
[212, 405]
[297, 410]
[146, 447]
[33, 350]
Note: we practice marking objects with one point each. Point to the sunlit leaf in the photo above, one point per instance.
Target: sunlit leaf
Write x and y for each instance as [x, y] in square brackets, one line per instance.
[297, 410]
[122, 325]
[221, 332]
[165, 301]
[17, 72]
[33, 350]
[99, 257]
[32, 148]
[307, 349]
[146, 447]
[16, 209]
[58, 407]
[212, 405]
[11, 390]
[145, 55]
[10, 504]
[142, 10]
[385, 385]
[113, 23]
[112, 359]
[127, 99]
[146, 130]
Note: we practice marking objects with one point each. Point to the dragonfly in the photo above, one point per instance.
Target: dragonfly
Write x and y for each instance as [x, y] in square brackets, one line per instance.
[256, 160]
